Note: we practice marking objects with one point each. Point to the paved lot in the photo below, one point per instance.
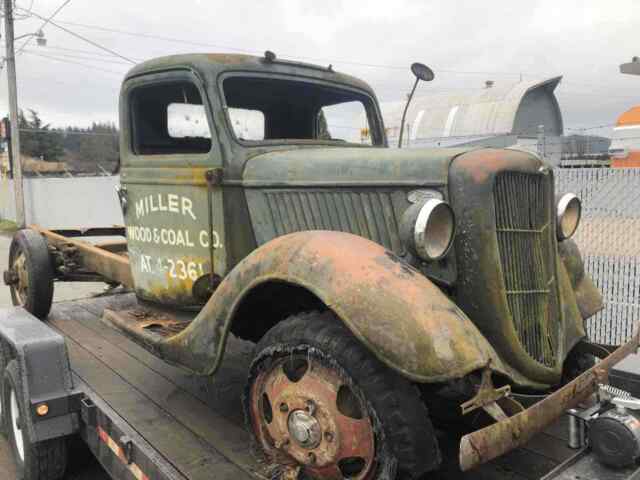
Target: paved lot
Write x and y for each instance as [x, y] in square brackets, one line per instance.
[83, 465]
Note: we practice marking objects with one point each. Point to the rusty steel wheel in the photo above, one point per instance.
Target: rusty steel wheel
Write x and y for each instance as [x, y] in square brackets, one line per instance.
[318, 402]
[30, 275]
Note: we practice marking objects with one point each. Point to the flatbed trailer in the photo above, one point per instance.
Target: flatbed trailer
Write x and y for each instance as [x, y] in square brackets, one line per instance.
[144, 419]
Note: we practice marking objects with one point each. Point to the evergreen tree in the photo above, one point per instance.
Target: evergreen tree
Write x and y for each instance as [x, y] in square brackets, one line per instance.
[37, 139]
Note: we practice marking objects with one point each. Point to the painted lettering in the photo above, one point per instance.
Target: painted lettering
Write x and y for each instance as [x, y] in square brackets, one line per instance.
[171, 203]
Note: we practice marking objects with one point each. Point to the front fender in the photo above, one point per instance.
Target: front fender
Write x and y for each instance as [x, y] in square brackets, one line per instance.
[588, 297]
[394, 310]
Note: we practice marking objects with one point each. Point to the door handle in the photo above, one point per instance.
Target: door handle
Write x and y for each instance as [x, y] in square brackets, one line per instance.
[122, 197]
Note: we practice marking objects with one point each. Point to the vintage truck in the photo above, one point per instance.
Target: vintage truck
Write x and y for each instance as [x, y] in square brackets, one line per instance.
[377, 283]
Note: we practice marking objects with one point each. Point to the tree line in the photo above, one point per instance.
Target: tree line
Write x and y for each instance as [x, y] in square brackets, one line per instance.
[82, 148]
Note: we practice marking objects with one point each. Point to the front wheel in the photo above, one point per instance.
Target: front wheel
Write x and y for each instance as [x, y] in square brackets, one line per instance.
[318, 400]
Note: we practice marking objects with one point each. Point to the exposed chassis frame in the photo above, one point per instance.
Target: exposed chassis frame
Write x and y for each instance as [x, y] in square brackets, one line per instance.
[103, 261]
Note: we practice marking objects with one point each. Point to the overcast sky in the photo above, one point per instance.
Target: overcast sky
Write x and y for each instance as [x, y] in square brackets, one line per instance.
[492, 39]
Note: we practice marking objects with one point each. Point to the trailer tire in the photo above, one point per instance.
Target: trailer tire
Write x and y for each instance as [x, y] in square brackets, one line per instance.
[404, 441]
[46, 460]
[4, 359]
[31, 284]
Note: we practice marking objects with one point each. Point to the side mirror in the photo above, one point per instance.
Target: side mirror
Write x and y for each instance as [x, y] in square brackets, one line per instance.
[421, 72]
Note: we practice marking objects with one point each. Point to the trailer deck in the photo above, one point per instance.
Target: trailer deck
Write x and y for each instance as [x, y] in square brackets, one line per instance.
[195, 425]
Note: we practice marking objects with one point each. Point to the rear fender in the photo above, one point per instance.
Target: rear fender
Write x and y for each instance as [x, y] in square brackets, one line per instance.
[394, 310]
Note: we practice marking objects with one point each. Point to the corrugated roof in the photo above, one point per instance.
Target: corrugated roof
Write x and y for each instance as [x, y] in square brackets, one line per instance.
[489, 111]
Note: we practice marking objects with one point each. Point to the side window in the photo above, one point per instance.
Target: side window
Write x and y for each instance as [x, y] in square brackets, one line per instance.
[345, 121]
[247, 124]
[169, 118]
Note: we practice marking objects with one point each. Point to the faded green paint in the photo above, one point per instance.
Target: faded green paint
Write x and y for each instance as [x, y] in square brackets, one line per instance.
[281, 187]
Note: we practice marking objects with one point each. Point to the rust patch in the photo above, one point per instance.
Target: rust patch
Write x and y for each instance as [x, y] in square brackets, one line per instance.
[491, 442]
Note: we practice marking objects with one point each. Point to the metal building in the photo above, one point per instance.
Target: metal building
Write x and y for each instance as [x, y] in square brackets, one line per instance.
[499, 115]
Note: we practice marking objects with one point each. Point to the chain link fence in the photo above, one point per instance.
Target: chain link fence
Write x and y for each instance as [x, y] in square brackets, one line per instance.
[609, 239]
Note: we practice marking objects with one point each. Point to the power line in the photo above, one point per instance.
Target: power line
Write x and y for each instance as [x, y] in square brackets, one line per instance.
[85, 52]
[44, 24]
[320, 59]
[63, 131]
[79, 57]
[93, 67]
[256, 52]
[85, 39]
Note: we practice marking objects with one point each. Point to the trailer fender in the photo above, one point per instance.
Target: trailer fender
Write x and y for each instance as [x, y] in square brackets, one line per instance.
[394, 310]
[45, 374]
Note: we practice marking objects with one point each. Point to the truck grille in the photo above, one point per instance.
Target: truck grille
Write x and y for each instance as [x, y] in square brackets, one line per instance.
[369, 214]
[525, 243]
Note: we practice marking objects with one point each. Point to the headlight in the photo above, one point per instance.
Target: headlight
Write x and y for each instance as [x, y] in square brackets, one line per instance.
[428, 229]
[569, 212]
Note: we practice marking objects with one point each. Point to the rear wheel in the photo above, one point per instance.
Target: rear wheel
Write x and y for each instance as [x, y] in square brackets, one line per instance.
[318, 400]
[30, 275]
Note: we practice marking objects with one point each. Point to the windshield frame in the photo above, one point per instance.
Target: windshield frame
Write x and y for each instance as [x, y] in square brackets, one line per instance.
[374, 117]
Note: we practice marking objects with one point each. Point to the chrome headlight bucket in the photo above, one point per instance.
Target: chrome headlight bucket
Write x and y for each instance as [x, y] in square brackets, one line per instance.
[428, 229]
[569, 211]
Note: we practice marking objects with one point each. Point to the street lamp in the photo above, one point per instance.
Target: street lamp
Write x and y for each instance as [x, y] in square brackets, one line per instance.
[40, 38]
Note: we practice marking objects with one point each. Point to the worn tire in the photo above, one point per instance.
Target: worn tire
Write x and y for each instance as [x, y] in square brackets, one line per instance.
[405, 440]
[39, 273]
[46, 460]
[576, 364]
[4, 360]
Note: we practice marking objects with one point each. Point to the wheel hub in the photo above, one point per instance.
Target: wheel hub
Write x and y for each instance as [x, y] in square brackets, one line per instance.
[304, 429]
[302, 422]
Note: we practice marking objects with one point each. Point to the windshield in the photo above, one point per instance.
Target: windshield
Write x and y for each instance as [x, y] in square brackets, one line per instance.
[264, 109]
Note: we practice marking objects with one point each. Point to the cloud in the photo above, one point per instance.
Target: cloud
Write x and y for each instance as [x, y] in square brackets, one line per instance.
[499, 39]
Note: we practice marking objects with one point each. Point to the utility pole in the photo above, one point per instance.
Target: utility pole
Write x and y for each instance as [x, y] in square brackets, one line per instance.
[13, 113]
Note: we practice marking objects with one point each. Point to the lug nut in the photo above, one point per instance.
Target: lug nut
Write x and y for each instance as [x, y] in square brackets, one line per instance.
[283, 443]
[328, 436]
[284, 407]
[311, 407]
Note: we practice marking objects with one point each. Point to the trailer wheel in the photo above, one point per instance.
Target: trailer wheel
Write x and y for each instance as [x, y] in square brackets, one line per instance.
[4, 359]
[46, 460]
[30, 274]
[318, 401]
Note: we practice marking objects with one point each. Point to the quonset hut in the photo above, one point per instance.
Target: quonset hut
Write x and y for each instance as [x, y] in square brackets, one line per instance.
[498, 115]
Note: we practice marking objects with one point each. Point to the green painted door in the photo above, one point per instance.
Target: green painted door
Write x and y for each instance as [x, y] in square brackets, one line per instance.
[173, 217]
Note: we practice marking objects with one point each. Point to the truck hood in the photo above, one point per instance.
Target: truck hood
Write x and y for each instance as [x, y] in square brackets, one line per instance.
[342, 166]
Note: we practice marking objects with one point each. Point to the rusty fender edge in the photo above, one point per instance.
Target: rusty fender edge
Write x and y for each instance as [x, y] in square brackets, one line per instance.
[490, 442]
[394, 310]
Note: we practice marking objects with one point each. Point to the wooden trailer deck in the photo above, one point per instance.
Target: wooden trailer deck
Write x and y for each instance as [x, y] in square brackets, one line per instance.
[197, 424]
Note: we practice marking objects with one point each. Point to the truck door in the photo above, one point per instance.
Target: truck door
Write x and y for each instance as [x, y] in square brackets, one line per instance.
[173, 214]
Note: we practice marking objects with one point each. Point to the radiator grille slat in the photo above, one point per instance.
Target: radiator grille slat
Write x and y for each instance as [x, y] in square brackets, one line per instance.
[369, 214]
[525, 243]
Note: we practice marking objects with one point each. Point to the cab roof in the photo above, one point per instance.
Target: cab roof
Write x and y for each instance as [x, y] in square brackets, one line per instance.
[212, 64]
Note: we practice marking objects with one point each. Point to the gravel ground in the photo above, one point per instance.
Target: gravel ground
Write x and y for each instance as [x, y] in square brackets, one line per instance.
[83, 465]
